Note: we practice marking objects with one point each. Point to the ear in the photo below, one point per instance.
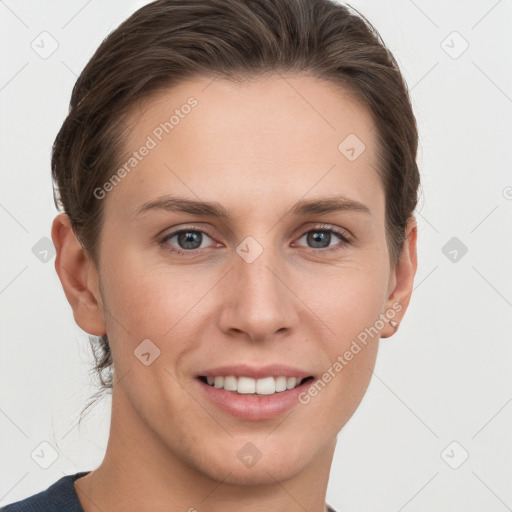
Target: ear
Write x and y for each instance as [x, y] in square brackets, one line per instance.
[401, 280]
[78, 276]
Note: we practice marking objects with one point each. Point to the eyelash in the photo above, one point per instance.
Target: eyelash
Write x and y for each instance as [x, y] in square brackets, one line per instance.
[345, 239]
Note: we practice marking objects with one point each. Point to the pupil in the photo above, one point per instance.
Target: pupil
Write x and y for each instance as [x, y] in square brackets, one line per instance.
[318, 237]
[188, 240]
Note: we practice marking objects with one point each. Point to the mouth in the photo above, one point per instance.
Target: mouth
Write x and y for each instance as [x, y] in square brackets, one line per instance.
[251, 392]
[243, 385]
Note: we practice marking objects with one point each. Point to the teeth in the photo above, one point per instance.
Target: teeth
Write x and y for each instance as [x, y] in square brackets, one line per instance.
[281, 383]
[247, 385]
[230, 383]
[290, 382]
[266, 386]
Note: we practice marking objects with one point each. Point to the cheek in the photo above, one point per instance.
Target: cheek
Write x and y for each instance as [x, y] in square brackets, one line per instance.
[350, 304]
[153, 301]
[162, 302]
[147, 298]
[143, 295]
[151, 312]
[348, 299]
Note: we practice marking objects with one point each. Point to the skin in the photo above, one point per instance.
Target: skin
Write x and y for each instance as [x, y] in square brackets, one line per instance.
[256, 148]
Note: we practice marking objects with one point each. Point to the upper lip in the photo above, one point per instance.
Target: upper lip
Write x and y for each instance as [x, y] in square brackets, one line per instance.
[256, 372]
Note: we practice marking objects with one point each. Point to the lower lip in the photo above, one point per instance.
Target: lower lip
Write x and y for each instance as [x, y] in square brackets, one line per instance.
[253, 407]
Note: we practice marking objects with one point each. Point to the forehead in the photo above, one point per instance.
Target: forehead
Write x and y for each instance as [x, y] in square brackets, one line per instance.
[249, 143]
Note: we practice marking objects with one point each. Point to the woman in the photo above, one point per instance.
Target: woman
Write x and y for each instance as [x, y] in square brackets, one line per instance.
[238, 180]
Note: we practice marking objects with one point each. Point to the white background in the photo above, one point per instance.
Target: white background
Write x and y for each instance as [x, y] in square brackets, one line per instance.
[445, 376]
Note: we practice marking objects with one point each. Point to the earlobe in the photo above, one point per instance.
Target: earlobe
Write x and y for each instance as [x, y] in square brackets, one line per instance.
[75, 270]
[403, 277]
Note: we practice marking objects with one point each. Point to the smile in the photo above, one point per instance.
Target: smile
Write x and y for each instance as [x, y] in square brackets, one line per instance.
[249, 386]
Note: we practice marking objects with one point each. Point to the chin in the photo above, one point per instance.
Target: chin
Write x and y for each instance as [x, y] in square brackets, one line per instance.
[277, 461]
[263, 473]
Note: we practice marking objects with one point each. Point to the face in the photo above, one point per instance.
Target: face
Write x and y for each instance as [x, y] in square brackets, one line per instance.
[282, 274]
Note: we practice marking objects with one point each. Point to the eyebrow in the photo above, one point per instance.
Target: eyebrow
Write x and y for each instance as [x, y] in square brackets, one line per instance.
[214, 209]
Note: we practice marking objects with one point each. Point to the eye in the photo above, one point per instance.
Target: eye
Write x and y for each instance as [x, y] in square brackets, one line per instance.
[321, 237]
[188, 241]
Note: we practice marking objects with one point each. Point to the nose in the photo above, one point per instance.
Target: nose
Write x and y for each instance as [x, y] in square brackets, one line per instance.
[257, 300]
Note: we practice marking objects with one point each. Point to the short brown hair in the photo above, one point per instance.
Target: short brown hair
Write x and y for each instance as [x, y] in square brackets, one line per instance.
[167, 41]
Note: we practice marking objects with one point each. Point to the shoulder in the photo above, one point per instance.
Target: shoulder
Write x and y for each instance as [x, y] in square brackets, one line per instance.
[59, 497]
